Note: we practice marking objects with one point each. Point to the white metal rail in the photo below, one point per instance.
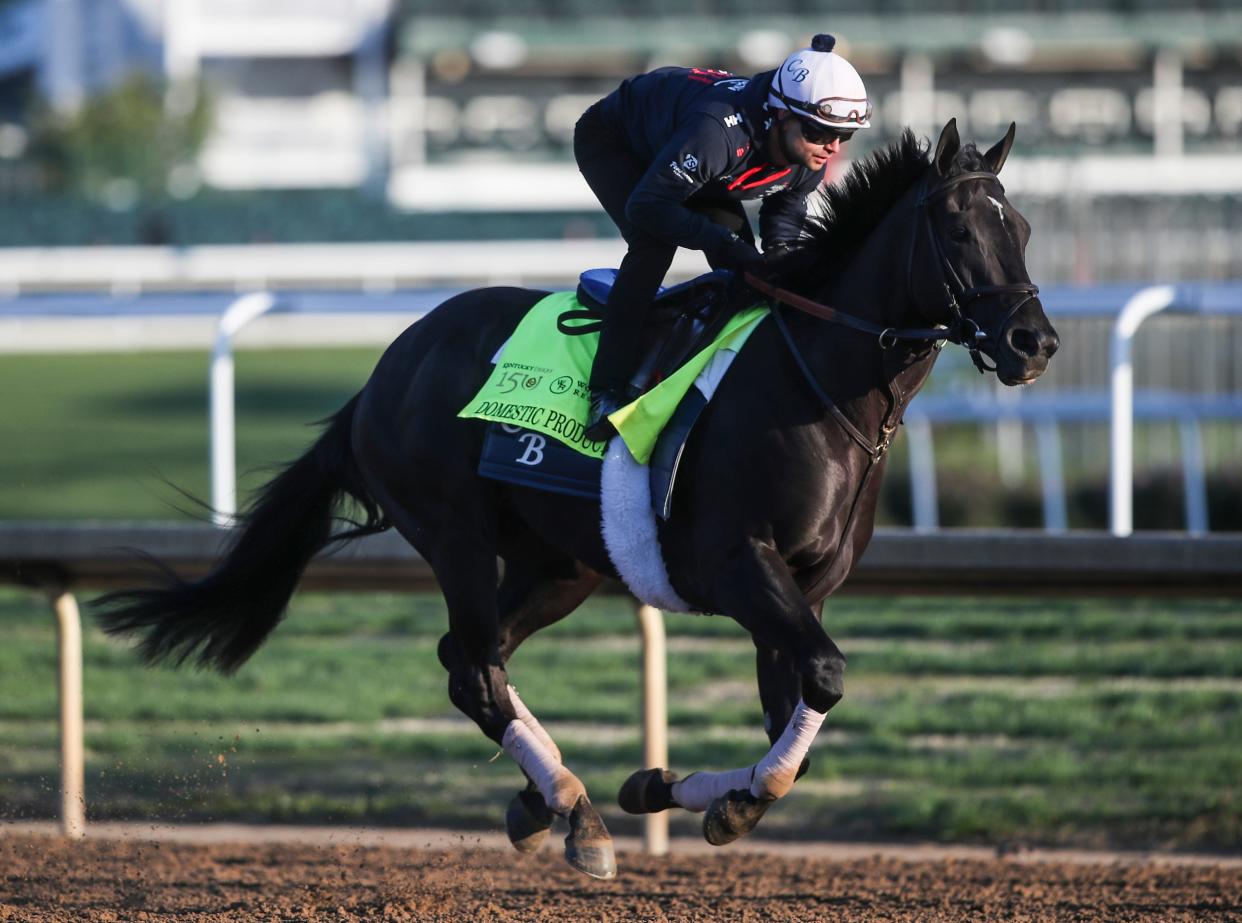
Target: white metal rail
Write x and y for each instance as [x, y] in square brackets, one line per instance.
[223, 425]
[377, 317]
[1121, 430]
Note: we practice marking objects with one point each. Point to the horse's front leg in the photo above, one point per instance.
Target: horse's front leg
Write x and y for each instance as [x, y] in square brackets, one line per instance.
[801, 674]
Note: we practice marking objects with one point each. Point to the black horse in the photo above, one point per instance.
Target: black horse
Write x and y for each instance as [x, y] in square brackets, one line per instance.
[776, 498]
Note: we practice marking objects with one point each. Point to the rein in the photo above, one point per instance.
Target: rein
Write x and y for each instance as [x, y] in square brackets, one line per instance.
[887, 336]
[964, 331]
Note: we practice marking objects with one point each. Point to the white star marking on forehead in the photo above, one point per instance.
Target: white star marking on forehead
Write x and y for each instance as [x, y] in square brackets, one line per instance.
[1000, 209]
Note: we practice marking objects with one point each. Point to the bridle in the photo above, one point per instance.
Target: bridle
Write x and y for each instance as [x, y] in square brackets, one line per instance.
[962, 330]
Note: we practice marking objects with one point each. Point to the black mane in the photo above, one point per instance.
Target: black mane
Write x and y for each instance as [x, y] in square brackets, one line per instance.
[850, 210]
[842, 215]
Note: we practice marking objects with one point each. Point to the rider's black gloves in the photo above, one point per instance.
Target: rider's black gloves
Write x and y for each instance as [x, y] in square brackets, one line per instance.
[790, 264]
[736, 254]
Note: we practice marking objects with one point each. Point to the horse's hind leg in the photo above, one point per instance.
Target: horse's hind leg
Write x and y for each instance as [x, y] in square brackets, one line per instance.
[530, 600]
[533, 595]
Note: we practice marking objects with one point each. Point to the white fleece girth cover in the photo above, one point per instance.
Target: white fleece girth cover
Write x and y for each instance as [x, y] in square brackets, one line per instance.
[629, 523]
[629, 527]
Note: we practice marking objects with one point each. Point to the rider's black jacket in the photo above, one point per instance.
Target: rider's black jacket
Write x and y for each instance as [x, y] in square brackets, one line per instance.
[704, 134]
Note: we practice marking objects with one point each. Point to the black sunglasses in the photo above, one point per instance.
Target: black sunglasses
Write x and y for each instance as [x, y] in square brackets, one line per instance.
[816, 133]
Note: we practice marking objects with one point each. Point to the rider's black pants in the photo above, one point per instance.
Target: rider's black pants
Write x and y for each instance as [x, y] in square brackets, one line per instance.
[612, 171]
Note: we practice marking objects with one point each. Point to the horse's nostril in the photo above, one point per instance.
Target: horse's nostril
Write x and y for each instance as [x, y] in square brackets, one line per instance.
[1024, 341]
[1051, 343]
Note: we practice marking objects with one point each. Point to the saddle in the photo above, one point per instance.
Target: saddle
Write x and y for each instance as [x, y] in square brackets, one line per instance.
[683, 318]
[686, 327]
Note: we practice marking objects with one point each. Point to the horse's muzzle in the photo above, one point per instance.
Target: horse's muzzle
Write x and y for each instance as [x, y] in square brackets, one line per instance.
[1027, 342]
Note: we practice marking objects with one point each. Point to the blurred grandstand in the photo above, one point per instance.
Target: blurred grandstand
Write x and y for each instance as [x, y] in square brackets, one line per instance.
[355, 120]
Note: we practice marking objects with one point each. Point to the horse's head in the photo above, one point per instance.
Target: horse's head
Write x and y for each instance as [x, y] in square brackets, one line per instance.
[967, 265]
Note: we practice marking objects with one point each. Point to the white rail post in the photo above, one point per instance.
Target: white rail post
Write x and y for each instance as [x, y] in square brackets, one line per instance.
[1141, 306]
[1051, 476]
[1194, 478]
[223, 431]
[72, 750]
[655, 718]
[925, 509]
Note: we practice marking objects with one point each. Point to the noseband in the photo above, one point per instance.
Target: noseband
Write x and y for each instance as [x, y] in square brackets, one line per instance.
[963, 330]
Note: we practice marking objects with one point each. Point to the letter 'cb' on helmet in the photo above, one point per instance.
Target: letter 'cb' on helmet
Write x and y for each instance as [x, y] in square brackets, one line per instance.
[819, 84]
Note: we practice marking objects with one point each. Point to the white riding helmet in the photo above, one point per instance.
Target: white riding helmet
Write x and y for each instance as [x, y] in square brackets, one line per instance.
[818, 84]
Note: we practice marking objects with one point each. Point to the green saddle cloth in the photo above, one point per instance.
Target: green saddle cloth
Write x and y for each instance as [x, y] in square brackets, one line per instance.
[540, 381]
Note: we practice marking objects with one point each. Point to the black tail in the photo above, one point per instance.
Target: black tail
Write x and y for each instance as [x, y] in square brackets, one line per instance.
[221, 620]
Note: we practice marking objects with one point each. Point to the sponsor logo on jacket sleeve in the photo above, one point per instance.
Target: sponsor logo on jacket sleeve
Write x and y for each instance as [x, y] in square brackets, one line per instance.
[680, 173]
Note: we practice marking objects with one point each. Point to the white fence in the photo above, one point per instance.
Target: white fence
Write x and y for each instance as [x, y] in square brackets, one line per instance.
[267, 316]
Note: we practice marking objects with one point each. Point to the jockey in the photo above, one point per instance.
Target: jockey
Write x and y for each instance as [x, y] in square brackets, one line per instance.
[671, 155]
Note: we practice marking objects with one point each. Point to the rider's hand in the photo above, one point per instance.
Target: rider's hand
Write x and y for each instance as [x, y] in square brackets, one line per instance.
[788, 262]
[738, 255]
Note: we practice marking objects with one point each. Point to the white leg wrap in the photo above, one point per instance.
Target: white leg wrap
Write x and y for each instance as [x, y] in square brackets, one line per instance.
[699, 789]
[775, 773]
[560, 787]
[524, 715]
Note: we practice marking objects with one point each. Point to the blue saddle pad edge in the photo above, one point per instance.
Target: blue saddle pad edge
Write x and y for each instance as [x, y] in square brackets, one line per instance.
[530, 459]
[597, 283]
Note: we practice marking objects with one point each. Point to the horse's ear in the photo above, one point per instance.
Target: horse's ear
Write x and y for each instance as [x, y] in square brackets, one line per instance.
[947, 147]
[998, 152]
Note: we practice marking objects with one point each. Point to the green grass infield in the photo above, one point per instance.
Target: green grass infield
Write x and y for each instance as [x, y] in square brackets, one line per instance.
[1101, 723]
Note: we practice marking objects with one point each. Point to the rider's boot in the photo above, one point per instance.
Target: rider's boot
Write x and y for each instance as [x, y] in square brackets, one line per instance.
[603, 402]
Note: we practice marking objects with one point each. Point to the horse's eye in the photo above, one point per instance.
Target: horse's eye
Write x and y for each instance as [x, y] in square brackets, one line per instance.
[959, 232]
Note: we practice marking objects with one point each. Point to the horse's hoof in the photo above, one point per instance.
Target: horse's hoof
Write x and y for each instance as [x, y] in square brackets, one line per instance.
[732, 815]
[647, 791]
[588, 848]
[527, 820]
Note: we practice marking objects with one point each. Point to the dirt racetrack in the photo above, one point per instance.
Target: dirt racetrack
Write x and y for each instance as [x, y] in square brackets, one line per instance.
[43, 878]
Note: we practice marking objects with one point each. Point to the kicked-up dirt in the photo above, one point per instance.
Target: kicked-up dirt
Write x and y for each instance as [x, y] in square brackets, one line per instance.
[45, 878]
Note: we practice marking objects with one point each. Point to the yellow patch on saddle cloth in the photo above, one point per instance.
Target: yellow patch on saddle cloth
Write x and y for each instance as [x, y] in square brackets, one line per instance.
[540, 381]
